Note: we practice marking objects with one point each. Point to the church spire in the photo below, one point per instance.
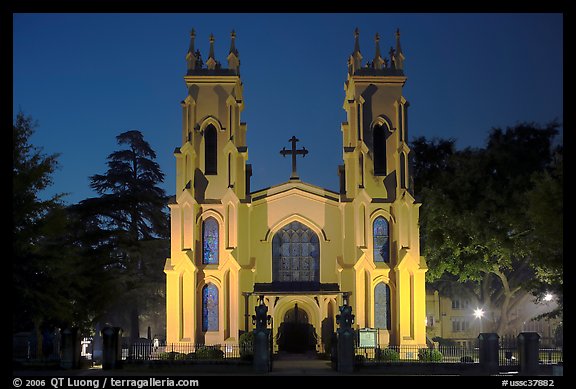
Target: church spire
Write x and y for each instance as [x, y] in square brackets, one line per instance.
[233, 61]
[378, 60]
[356, 41]
[233, 43]
[191, 55]
[355, 60]
[211, 61]
[399, 57]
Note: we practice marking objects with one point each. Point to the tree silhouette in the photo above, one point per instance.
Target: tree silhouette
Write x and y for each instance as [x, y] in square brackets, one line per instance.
[475, 223]
[130, 217]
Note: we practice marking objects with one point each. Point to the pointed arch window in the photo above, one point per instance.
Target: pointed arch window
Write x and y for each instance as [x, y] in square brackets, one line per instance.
[295, 254]
[381, 240]
[402, 170]
[379, 144]
[210, 241]
[210, 150]
[210, 308]
[382, 306]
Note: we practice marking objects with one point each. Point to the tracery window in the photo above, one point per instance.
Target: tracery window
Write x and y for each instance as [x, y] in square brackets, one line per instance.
[210, 308]
[381, 240]
[210, 241]
[382, 306]
[295, 254]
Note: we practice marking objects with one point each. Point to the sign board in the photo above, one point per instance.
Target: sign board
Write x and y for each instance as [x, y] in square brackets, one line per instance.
[368, 337]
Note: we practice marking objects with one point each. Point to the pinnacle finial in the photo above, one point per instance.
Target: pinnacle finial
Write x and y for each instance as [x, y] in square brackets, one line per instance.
[192, 37]
[233, 43]
[356, 40]
[211, 61]
[190, 56]
[233, 61]
[398, 48]
[378, 61]
[399, 57]
[211, 54]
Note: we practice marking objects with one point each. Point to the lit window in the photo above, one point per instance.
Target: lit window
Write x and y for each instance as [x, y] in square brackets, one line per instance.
[210, 308]
[382, 306]
[381, 240]
[295, 254]
[210, 236]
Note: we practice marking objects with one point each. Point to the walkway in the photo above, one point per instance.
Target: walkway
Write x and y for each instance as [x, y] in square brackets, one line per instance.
[300, 364]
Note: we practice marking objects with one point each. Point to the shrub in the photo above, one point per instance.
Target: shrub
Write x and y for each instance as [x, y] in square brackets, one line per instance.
[171, 356]
[387, 355]
[246, 344]
[359, 359]
[466, 359]
[429, 355]
[208, 352]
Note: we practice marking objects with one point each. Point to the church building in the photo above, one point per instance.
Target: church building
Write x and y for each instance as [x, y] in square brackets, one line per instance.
[302, 248]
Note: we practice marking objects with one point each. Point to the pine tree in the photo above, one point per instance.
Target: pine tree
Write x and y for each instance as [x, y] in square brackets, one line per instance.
[130, 216]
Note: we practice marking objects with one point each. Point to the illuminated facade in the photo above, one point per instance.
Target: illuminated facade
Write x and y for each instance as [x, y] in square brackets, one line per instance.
[300, 246]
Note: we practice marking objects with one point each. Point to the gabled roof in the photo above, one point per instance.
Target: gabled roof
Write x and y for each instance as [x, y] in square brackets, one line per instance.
[295, 185]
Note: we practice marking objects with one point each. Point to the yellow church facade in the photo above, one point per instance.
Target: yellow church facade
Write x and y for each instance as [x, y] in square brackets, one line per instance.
[302, 248]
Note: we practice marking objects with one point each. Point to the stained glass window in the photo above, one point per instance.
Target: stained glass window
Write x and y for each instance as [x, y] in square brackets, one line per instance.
[295, 254]
[210, 242]
[379, 145]
[210, 308]
[382, 306]
[381, 240]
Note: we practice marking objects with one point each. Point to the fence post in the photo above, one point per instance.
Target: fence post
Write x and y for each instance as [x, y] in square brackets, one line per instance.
[70, 347]
[345, 339]
[488, 349]
[528, 346]
[112, 347]
[262, 345]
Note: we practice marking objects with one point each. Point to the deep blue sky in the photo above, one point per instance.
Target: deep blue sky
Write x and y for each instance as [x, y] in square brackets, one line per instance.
[88, 77]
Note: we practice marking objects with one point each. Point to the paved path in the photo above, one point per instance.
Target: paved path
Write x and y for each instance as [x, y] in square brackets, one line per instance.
[300, 364]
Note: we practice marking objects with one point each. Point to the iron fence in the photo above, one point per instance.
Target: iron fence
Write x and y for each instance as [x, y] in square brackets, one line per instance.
[415, 353]
[185, 352]
[508, 354]
[550, 356]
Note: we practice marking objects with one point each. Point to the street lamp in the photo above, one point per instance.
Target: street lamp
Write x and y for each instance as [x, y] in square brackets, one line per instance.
[479, 313]
[548, 296]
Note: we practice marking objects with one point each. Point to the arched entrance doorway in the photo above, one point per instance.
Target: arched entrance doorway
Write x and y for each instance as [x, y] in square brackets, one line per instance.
[296, 334]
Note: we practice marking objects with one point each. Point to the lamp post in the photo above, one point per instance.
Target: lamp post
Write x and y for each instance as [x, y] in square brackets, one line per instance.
[479, 313]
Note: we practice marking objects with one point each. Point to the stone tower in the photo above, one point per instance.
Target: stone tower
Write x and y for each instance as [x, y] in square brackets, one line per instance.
[212, 179]
[376, 188]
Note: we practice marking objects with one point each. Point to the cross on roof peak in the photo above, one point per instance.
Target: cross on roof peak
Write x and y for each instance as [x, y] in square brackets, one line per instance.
[294, 153]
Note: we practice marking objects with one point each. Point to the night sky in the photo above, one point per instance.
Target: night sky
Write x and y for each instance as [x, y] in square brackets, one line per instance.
[88, 77]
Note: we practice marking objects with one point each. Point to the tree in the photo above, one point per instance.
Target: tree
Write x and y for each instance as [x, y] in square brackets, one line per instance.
[129, 217]
[31, 173]
[473, 220]
[58, 281]
[545, 220]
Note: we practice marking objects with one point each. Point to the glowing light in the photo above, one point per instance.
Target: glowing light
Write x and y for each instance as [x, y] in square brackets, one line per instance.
[478, 313]
[548, 297]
